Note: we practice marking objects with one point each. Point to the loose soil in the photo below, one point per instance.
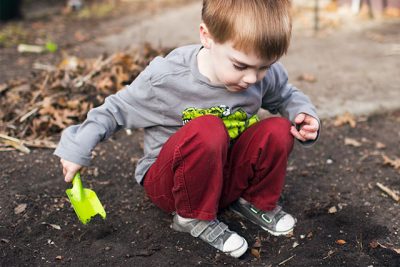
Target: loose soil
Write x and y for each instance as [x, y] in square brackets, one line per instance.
[136, 233]
[331, 189]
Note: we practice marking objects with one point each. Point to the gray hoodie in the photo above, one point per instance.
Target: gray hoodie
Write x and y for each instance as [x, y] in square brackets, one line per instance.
[157, 98]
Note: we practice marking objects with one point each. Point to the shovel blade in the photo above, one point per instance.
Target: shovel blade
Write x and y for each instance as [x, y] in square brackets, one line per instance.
[87, 205]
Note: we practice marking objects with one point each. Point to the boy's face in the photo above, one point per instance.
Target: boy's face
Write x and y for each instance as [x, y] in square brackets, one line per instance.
[234, 69]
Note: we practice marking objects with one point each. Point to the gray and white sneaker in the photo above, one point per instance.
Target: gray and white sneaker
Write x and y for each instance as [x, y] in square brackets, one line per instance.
[276, 222]
[215, 233]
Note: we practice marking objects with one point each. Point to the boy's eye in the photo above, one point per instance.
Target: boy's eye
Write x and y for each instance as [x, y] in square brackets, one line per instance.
[239, 67]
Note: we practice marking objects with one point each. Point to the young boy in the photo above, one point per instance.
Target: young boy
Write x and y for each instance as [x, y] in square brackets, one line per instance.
[205, 148]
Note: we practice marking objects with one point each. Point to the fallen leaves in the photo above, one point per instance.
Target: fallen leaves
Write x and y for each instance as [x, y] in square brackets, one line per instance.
[395, 163]
[20, 208]
[332, 210]
[346, 118]
[256, 248]
[340, 242]
[307, 78]
[59, 257]
[34, 110]
[54, 226]
[352, 142]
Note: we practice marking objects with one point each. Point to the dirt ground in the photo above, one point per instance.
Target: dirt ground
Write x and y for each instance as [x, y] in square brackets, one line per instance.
[136, 233]
[344, 219]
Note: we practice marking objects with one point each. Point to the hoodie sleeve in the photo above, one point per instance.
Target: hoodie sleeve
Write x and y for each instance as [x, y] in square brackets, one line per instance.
[283, 98]
[135, 106]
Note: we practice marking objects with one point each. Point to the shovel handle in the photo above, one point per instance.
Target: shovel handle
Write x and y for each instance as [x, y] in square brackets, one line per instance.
[77, 189]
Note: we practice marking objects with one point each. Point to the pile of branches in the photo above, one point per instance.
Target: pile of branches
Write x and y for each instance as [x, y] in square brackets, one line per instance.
[35, 110]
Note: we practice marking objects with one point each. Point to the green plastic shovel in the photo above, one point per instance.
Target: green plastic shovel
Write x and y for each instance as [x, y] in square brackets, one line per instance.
[84, 201]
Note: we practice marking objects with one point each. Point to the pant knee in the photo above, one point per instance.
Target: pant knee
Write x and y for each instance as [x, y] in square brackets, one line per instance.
[279, 132]
[209, 132]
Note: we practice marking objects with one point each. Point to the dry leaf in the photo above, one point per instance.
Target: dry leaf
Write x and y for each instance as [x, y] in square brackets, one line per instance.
[307, 77]
[71, 64]
[256, 248]
[346, 118]
[351, 142]
[332, 209]
[394, 163]
[340, 242]
[20, 208]
[380, 145]
[55, 226]
[255, 252]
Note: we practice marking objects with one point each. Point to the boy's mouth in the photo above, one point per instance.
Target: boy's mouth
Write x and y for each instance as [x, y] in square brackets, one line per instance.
[236, 88]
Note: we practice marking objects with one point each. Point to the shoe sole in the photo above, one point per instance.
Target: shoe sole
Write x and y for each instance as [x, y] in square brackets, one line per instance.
[240, 251]
[235, 253]
[274, 233]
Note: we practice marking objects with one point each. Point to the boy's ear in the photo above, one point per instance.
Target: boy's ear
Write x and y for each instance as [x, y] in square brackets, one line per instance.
[205, 36]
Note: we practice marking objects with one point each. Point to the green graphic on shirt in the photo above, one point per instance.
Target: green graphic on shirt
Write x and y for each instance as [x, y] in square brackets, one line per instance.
[236, 123]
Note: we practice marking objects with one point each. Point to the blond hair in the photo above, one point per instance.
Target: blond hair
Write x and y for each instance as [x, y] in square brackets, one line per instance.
[253, 26]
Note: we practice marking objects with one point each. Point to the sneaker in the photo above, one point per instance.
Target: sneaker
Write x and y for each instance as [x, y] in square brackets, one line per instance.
[214, 233]
[277, 222]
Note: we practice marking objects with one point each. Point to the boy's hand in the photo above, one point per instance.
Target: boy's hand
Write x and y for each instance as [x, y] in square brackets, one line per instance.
[69, 169]
[308, 127]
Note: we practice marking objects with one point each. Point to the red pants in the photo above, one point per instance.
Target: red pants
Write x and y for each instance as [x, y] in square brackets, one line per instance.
[198, 172]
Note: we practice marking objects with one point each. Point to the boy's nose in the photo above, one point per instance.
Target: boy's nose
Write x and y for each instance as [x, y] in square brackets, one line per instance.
[250, 78]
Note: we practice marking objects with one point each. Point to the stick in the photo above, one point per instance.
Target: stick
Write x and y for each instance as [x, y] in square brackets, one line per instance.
[389, 192]
[27, 115]
[40, 144]
[283, 262]
[14, 142]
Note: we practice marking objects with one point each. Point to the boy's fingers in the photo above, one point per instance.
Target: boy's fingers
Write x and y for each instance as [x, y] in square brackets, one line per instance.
[69, 176]
[296, 134]
[309, 135]
[310, 128]
[300, 118]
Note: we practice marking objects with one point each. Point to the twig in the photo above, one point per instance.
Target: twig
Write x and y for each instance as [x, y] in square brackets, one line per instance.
[40, 144]
[6, 149]
[14, 142]
[78, 82]
[389, 192]
[38, 104]
[283, 262]
[27, 115]
[45, 67]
